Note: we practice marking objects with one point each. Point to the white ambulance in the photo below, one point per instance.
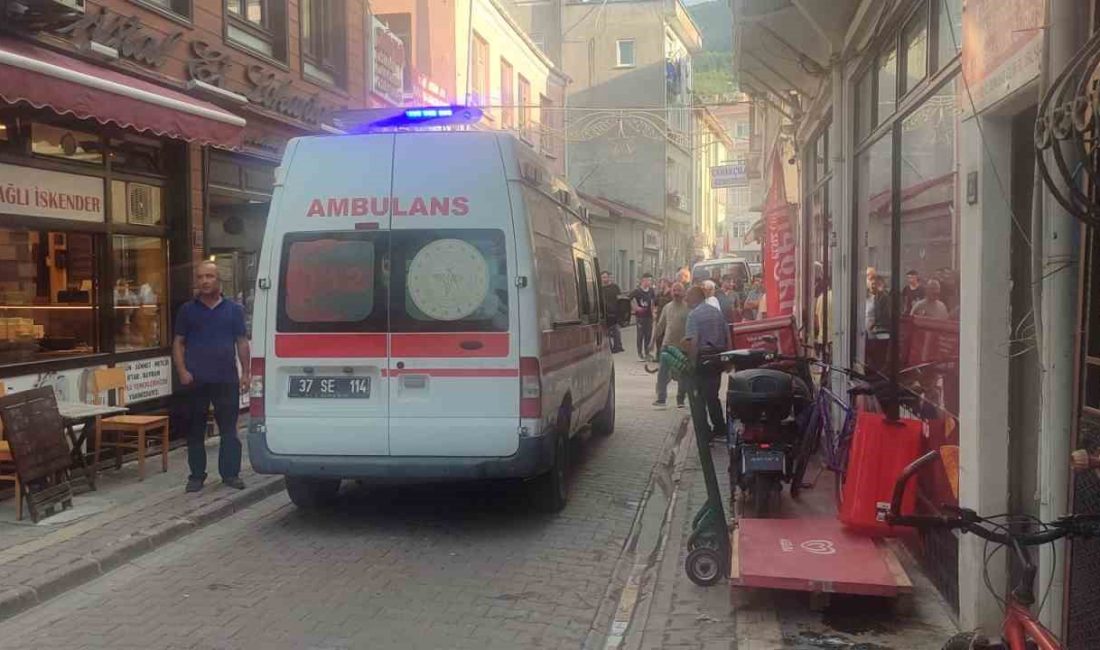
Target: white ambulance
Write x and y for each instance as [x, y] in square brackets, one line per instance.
[427, 309]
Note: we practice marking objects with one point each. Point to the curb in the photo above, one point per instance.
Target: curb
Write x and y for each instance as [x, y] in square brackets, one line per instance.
[14, 600]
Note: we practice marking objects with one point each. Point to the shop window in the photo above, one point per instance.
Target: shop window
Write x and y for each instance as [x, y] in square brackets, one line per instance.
[1091, 372]
[56, 142]
[138, 155]
[140, 292]
[875, 235]
[865, 109]
[914, 43]
[929, 253]
[259, 25]
[507, 95]
[47, 295]
[479, 82]
[138, 204]
[948, 30]
[886, 83]
[322, 38]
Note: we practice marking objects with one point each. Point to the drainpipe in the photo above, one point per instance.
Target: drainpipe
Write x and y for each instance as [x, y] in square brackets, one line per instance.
[1059, 324]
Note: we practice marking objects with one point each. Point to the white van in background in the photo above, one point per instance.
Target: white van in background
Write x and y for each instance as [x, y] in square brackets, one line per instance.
[427, 309]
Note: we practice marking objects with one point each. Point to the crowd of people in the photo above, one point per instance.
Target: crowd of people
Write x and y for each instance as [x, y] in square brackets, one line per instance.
[692, 315]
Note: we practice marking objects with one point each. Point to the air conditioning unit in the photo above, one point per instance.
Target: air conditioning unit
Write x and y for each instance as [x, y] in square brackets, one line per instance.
[40, 15]
[143, 204]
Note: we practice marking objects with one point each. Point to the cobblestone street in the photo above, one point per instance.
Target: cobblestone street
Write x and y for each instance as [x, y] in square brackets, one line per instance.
[467, 566]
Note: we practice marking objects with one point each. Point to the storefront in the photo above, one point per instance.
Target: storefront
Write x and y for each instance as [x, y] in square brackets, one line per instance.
[93, 199]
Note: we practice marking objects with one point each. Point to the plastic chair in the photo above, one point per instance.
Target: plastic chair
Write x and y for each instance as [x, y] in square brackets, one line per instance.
[129, 431]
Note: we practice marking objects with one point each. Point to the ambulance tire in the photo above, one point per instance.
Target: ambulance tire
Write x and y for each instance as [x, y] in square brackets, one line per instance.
[549, 492]
[604, 422]
[312, 493]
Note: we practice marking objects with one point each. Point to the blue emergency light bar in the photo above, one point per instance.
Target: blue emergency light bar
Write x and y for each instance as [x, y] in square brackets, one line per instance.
[384, 119]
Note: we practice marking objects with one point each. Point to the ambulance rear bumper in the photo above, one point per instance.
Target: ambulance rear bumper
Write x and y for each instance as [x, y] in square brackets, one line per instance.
[534, 456]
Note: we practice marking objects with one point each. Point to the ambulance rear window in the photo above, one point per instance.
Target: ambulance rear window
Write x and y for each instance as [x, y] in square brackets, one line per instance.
[449, 280]
[331, 282]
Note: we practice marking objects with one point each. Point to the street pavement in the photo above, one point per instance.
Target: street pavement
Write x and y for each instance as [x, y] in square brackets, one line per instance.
[467, 566]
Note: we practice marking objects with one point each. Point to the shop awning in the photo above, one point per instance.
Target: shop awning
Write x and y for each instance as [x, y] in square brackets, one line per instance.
[43, 78]
[618, 209]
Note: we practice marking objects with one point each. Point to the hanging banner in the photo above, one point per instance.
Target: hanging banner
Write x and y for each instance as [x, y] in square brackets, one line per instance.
[779, 246]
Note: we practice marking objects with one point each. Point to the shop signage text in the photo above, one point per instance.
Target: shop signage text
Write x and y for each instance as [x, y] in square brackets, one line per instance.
[43, 193]
[387, 64]
[379, 206]
[126, 34]
[148, 379]
[274, 93]
[732, 174]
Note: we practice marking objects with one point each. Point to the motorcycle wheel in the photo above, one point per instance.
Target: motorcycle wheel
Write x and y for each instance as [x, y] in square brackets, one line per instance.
[762, 494]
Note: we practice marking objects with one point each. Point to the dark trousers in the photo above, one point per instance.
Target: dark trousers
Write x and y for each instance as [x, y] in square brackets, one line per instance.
[227, 405]
[663, 377]
[645, 335]
[709, 385]
[616, 337]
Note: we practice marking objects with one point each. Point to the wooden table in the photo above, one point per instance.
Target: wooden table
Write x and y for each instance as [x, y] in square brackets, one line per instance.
[88, 415]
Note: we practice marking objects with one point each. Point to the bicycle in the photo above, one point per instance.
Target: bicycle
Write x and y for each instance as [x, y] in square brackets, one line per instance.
[835, 443]
[1020, 628]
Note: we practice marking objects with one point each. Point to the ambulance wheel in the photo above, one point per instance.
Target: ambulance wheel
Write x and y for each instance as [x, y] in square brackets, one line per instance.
[604, 422]
[549, 491]
[311, 493]
[704, 566]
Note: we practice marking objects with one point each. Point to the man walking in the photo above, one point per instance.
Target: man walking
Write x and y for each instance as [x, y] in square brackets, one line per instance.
[670, 328]
[706, 332]
[643, 300]
[210, 339]
[609, 293]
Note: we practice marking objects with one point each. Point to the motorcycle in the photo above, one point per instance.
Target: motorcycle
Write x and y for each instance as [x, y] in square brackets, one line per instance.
[765, 398]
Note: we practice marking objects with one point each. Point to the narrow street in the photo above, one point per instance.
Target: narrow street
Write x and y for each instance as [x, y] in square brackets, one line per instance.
[466, 567]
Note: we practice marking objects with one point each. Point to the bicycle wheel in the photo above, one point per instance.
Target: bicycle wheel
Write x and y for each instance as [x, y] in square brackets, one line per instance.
[808, 446]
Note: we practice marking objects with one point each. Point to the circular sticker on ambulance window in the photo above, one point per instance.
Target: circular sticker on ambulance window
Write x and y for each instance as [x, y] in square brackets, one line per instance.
[448, 279]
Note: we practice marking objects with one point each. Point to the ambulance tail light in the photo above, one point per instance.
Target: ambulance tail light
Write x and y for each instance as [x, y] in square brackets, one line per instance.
[256, 389]
[530, 388]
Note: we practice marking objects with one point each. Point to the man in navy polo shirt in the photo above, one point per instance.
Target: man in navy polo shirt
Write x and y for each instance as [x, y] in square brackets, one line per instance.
[210, 339]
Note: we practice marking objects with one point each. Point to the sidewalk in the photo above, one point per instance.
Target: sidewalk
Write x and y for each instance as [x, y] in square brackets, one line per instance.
[683, 615]
[106, 528]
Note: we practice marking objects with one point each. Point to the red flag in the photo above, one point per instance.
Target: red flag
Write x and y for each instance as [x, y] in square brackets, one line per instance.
[779, 245]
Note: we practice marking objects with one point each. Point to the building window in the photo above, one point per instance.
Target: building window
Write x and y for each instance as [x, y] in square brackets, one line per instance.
[479, 81]
[322, 24]
[524, 108]
[507, 95]
[178, 7]
[259, 25]
[66, 144]
[743, 130]
[401, 26]
[624, 53]
[546, 126]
